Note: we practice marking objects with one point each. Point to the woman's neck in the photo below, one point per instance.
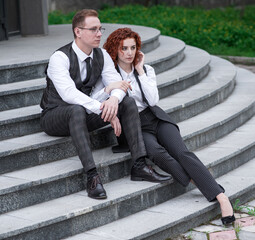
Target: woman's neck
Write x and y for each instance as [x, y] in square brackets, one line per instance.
[126, 67]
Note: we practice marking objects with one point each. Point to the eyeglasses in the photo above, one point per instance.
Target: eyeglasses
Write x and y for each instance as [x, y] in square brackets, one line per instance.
[94, 30]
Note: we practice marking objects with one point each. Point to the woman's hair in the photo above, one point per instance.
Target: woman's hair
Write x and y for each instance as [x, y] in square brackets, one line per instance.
[79, 17]
[115, 42]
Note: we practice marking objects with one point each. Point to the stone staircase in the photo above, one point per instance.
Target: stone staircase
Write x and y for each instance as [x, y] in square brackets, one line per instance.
[42, 185]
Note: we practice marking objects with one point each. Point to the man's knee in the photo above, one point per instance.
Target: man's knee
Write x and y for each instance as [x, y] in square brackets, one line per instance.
[77, 113]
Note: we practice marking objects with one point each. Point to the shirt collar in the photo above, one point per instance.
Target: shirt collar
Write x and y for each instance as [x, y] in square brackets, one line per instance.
[80, 54]
[124, 74]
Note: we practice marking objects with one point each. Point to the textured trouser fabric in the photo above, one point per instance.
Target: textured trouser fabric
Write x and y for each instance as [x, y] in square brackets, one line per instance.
[131, 126]
[72, 120]
[166, 148]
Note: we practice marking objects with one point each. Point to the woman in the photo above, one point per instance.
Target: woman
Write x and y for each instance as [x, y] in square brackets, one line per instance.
[162, 138]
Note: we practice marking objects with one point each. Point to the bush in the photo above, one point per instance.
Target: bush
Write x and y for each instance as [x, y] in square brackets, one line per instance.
[218, 31]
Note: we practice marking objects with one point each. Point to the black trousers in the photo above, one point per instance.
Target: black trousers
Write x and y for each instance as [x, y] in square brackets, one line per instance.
[167, 149]
[72, 120]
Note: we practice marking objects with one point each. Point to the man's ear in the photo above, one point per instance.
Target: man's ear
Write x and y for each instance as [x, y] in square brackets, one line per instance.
[77, 32]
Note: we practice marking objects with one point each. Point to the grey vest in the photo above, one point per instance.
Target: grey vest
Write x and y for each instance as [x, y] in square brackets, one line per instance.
[51, 98]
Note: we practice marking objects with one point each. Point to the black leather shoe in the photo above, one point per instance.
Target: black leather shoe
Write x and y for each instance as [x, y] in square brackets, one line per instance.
[95, 188]
[147, 173]
[228, 220]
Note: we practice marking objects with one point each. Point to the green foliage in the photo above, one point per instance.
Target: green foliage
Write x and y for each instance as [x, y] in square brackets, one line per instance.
[57, 17]
[249, 210]
[225, 31]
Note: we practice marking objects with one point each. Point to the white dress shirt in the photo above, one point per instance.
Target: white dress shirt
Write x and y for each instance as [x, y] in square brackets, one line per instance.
[148, 84]
[58, 72]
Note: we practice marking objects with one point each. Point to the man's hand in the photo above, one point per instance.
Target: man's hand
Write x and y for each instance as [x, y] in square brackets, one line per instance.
[115, 122]
[109, 109]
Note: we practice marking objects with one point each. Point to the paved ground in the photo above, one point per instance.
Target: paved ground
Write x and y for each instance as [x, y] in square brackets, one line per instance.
[242, 229]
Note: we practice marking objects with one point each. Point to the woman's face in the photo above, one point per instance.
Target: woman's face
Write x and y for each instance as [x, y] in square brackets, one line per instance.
[126, 53]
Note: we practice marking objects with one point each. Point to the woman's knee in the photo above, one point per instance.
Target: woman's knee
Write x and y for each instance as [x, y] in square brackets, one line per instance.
[157, 153]
[128, 103]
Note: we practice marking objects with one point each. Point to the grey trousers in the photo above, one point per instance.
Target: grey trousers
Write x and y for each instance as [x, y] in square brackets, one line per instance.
[167, 149]
[72, 120]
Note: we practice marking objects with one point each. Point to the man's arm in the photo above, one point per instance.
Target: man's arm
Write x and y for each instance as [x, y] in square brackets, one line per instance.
[58, 72]
[110, 75]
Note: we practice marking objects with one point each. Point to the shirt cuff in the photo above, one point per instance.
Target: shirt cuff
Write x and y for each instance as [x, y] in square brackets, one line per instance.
[118, 94]
[95, 108]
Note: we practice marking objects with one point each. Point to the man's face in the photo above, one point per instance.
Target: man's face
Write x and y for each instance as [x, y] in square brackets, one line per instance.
[89, 35]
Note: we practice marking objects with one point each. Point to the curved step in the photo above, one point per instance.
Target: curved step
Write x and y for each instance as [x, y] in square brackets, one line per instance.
[223, 118]
[126, 201]
[21, 94]
[212, 90]
[19, 122]
[176, 215]
[169, 53]
[52, 180]
[21, 60]
[29, 92]
[17, 152]
[79, 206]
[190, 71]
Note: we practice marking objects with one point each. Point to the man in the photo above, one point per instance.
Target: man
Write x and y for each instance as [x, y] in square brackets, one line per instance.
[74, 72]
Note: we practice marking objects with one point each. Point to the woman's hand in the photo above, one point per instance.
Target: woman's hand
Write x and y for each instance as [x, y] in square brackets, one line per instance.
[140, 63]
[123, 85]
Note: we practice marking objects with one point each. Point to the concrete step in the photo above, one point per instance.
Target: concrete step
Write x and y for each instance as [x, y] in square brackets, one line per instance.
[132, 204]
[220, 120]
[26, 58]
[190, 71]
[52, 180]
[18, 122]
[34, 149]
[42, 181]
[21, 60]
[29, 92]
[178, 214]
[21, 94]
[62, 211]
[212, 90]
[168, 54]
[25, 120]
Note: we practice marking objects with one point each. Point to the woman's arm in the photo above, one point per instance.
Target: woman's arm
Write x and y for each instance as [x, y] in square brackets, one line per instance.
[148, 81]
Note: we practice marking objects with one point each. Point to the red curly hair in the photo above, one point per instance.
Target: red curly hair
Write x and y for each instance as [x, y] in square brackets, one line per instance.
[114, 42]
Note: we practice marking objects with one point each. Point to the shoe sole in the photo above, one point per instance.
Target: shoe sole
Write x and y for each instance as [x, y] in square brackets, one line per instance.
[139, 179]
[99, 198]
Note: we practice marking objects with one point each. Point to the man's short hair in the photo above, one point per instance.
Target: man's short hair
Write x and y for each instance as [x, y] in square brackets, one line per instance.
[80, 16]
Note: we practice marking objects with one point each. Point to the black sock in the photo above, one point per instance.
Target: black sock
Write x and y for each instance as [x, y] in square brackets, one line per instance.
[139, 163]
[91, 173]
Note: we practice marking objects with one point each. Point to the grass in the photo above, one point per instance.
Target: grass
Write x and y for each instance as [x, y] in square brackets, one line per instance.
[227, 31]
[244, 208]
